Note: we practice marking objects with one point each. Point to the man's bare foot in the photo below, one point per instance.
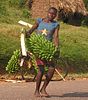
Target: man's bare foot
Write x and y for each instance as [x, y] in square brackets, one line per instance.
[37, 94]
[44, 93]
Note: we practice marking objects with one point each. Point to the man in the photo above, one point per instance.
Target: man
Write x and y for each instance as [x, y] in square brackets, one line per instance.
[51, 28]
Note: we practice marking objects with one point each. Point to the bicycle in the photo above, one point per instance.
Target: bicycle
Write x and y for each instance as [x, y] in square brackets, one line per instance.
[27, 69]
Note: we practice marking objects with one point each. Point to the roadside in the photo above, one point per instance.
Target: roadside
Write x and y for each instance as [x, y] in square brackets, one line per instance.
[17, 79]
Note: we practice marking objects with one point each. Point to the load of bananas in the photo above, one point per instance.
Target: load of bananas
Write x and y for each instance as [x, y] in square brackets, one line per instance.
[13, 63]
[41, 47]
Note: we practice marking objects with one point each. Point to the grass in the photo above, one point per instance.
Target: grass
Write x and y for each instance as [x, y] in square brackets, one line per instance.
[11, 12]
[74, 46]
[72, 76]
[74, 39]
[9, 41]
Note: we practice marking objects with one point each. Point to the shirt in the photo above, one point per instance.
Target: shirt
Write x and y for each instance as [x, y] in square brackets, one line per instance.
[49, 28]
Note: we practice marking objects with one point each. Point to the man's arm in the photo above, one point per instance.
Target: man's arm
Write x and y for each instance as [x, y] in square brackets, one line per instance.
[56, 36]
[32, 29]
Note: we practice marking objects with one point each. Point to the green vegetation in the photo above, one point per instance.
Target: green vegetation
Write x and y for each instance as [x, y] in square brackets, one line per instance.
[13, 64]
[73, 40]
[9, 41]
[74, 46]
[11, 11]
[41, 47]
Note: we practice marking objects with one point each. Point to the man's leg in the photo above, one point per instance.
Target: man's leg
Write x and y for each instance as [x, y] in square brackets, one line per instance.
[38, 79]
[49, 75]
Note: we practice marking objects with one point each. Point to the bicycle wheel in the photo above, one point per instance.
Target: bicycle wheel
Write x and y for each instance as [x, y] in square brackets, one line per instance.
[61, 70]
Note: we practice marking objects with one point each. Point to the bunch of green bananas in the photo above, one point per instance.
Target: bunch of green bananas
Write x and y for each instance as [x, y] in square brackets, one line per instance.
[13, 65]
[41, 47]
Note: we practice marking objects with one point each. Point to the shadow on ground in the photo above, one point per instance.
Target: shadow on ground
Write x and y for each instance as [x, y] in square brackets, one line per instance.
[76, 94]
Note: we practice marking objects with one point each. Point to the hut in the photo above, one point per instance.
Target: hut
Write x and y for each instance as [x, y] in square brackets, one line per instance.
[70, 11]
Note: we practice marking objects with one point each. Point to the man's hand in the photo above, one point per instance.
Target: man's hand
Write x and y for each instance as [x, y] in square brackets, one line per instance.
[27, 33]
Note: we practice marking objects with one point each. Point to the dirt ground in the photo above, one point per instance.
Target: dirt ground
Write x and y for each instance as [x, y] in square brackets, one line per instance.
[58, 90]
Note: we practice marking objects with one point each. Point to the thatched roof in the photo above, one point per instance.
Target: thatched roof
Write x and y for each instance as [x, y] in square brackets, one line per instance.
[72, 6]
[65, 8]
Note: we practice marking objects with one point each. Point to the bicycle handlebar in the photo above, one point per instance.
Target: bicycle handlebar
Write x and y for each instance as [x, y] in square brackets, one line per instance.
[25, 23]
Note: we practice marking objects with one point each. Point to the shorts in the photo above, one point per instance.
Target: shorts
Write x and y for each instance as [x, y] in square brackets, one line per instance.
[45, 63]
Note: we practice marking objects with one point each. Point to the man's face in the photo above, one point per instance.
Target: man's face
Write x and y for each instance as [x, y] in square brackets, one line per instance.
[51, 14]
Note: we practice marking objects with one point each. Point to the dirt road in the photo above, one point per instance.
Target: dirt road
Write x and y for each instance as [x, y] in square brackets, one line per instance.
[58, 90]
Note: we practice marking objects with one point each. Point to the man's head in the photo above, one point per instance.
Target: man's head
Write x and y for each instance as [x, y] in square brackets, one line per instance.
[52, 13]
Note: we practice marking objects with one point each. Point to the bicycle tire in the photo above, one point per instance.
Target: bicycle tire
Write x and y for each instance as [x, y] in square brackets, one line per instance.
[61, 70]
